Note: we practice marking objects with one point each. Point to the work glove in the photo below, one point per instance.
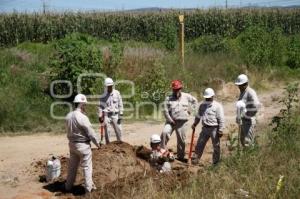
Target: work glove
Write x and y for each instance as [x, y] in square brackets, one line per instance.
[120, 119]
[171, 155]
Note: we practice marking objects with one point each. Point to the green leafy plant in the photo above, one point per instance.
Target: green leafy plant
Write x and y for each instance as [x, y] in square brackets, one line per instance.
[293, 54]
[277, 46]
[209, 44]
[76, 54]
[156, 84]
[113, 57]
[254, 46]
[169, 36]
[286, 124]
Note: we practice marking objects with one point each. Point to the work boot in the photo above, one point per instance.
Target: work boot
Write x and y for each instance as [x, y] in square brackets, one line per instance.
[195, 159]
[184, 160]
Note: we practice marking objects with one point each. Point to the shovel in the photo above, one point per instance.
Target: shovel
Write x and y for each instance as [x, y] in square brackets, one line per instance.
[191, 147]
[101, 134]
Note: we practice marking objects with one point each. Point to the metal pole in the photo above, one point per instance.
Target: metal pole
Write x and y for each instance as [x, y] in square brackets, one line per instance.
[181, 38]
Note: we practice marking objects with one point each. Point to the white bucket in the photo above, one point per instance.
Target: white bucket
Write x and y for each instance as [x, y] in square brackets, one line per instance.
[53, 169]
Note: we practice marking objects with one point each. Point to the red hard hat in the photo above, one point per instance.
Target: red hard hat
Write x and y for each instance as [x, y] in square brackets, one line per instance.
[176, 84]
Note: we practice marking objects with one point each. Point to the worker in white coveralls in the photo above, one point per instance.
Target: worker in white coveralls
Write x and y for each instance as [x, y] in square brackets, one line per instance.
[160, 158]
[177, 108]
[212, 115]
[80, 133]
[110, 110]
[248, 119]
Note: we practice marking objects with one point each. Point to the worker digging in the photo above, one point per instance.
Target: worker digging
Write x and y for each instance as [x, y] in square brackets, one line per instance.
[177, 108]
[110, 110]
[160, 158]
[212, 115]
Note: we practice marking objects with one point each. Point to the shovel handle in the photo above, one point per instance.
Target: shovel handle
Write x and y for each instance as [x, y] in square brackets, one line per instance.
[191, 145]
[101, 131]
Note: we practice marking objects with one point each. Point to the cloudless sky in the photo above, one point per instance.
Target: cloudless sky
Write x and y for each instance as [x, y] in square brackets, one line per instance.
[83, 5]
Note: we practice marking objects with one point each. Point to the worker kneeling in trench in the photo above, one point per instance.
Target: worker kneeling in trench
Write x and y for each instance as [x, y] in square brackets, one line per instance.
[160, 158]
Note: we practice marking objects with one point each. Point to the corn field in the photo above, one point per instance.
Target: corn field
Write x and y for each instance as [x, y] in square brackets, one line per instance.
[20, 27]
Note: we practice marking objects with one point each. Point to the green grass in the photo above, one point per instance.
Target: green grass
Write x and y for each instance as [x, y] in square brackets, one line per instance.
[23, 100]
[255, 171]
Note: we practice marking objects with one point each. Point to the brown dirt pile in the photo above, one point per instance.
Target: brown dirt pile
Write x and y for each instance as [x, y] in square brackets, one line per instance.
[120, 171]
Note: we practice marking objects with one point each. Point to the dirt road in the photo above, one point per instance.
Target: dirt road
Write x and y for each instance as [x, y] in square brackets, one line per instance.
[17, 179]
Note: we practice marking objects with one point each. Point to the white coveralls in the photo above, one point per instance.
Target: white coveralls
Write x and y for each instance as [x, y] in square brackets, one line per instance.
[80, 133]
[250, 98]
[111, 107]
[212, 115]
[177, 110]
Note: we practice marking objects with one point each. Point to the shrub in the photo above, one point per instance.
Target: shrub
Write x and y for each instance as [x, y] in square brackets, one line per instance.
[113, 57]
[156, 84]
[260, 47]
[209, 44]
[277, 45]
[293, 53]
[169, 36]
[286, 131]
[76, 54]
[254, 46]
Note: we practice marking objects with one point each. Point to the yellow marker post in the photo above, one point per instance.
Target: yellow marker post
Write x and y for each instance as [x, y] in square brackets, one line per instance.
[181, 38]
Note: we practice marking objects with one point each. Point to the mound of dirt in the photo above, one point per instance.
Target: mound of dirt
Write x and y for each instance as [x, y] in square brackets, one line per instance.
[119, 169]
[116, 160]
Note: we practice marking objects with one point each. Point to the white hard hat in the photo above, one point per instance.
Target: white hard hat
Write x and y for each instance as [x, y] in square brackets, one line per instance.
[80, 98]
[240, 104]
[208, 93]
[241, 79]
[109, 82]
[155, 139]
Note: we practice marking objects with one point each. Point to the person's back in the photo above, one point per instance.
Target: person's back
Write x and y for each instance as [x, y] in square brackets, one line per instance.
[80, 133]
[75, 129]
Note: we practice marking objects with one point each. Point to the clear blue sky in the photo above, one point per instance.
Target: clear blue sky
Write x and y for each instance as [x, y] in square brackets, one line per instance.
[75, 5]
